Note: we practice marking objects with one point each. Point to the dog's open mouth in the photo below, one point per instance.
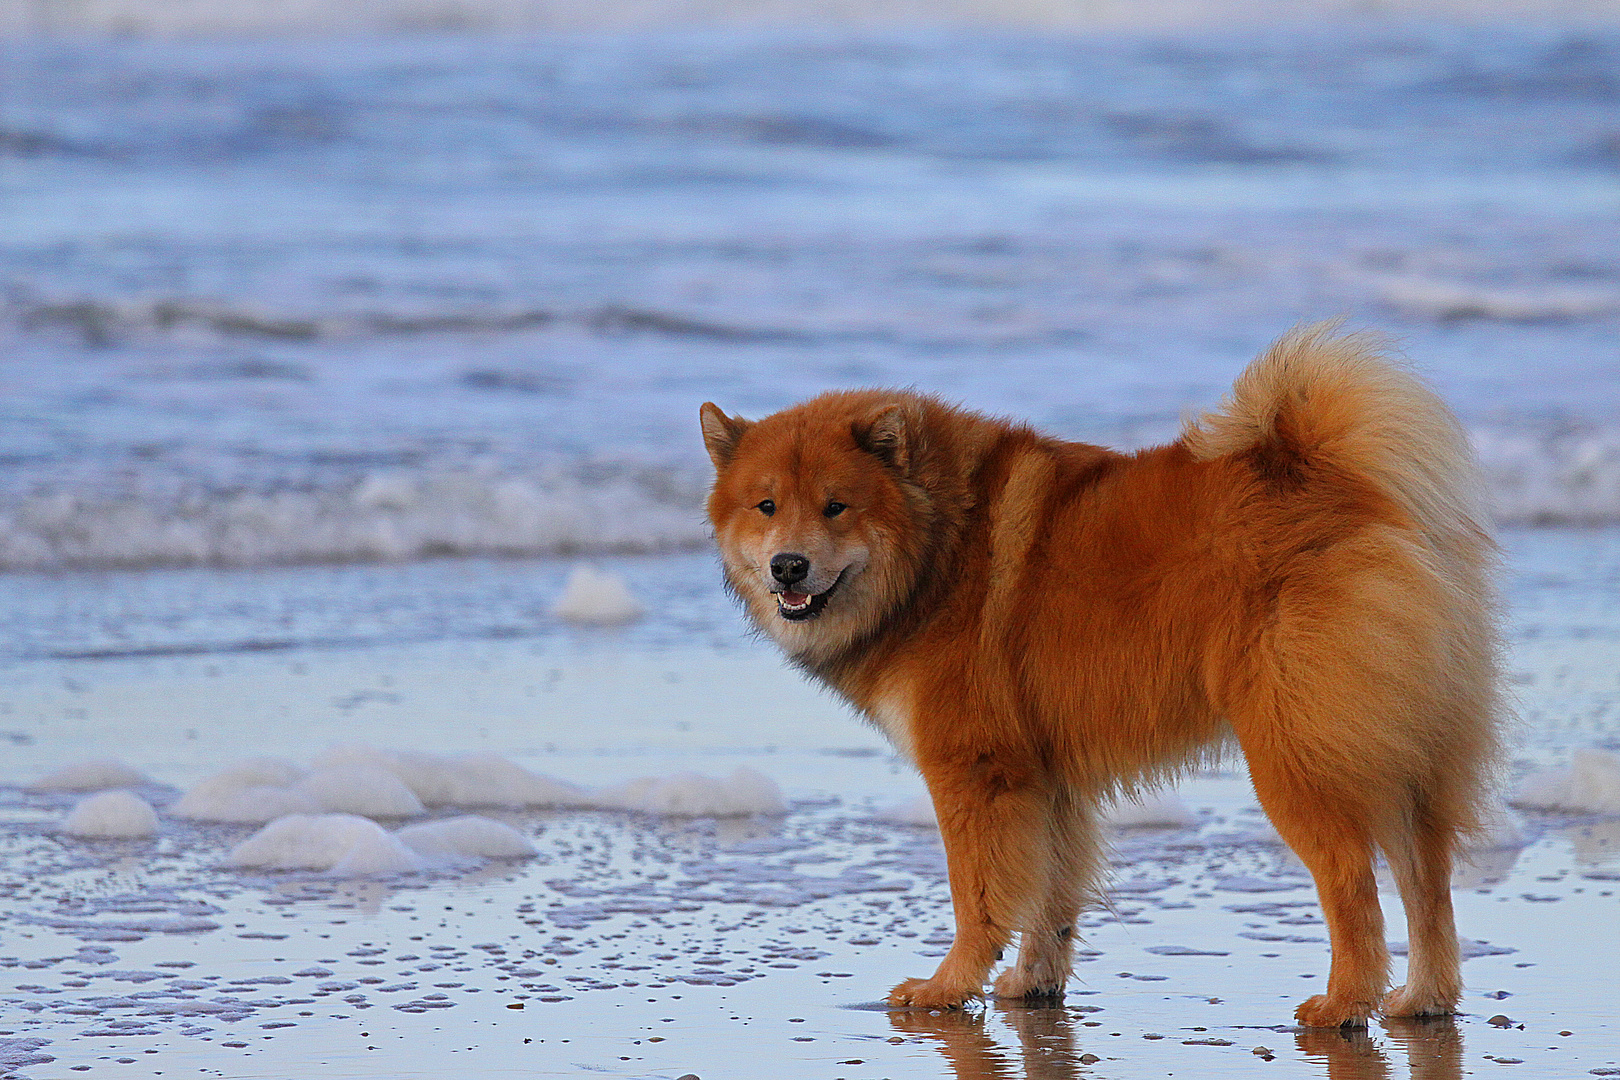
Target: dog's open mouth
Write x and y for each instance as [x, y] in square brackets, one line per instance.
[795, 606]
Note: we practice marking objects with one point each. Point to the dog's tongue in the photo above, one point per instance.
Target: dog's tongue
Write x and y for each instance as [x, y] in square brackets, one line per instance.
[794, 599]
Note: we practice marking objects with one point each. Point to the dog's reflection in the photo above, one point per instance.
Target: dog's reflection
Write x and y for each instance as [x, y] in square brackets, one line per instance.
[1433, 1049]
[1045, 1037]
[1046, 1045]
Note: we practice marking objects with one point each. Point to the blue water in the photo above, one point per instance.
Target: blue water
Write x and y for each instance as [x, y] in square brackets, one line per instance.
[388, 299]
[408, 313]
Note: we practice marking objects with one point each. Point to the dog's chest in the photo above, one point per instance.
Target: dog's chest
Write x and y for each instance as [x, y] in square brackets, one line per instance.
[891, 712]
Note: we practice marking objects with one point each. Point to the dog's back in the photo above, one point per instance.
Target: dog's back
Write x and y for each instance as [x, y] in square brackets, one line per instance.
[1318, 536]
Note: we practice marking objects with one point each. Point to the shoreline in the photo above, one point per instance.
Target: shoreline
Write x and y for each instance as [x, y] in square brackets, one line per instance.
[735, 940]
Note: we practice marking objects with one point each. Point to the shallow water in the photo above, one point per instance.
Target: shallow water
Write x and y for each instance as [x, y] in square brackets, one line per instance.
[268, 302]
[649, 947]
[590, 960]
[361, 306]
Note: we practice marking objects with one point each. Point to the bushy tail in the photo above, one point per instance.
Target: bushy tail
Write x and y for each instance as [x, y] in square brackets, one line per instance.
[1342, 400]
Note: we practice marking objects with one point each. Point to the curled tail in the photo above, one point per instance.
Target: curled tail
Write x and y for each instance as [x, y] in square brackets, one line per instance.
[1342, 401]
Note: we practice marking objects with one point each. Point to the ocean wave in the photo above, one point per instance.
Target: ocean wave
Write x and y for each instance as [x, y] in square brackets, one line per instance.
[1534, 479]
[101, 323]
[386, 517]
[1569, 478]
[1449, 301]
[106, 322]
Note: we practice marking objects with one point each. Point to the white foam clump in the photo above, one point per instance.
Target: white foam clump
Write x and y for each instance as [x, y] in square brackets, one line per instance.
[595, 597]
[373, 782]
[1503, 831]
[919, 813]
[746, 791]
[1589, 784]
[96, 774]
[347, 845]
[474, 780]
[360, 789]
[343, 845]
[1161, 809]
[461, 779]
[464, 838]
[260, 790]
[1149, 810]
[112, 815]
[250, 792]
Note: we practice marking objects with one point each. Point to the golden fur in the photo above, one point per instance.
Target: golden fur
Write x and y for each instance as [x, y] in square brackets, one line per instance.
[1039, 624]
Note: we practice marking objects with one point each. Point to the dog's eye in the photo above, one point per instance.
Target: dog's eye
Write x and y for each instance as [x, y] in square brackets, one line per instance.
[834, 509]
[767, 508]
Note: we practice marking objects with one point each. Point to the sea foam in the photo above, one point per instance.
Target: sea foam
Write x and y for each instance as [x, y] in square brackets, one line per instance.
[97, 774]
[595, 597]
[1589, 784]
[1149, 809]
[471, 780]
[1503, 831]
[381, 783]
[341, 844]
[360, 789]
[385, 517]
[112, 815]
[250, 792]
[1160, 809]
[1451, 300]
[917, 813]
[468, 837]
[1533, 477]
[687, 794]
[258, 790]
[347, 846]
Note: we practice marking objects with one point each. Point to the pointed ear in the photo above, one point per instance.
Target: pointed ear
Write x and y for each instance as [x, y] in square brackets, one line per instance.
[720, 433]
[884, 433]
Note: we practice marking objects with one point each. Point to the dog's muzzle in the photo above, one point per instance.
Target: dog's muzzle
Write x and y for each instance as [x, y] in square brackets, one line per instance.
[797, 606]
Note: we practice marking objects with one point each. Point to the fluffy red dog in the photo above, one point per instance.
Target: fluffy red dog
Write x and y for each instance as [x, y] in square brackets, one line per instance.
[1040, 624]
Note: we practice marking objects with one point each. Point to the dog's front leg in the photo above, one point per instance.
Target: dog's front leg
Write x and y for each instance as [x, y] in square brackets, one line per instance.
[991, 809]
[1046, 943]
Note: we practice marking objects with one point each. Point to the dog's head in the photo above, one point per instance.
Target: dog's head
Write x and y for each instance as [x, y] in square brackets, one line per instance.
[811, 511]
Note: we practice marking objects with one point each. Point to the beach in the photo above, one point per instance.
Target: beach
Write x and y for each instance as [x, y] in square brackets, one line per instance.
[642, 944]
[371, 703]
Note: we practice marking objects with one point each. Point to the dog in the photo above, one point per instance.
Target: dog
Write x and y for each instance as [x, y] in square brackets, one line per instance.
[1040, 625]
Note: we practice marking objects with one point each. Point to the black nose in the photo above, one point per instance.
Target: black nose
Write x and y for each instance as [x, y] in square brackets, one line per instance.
[789, 567]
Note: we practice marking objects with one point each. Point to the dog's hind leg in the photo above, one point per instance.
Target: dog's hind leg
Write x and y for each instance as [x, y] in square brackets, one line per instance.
[1325, 830]
[1325, 803]
[1046, 944]
[1421, 862]
[993, 819]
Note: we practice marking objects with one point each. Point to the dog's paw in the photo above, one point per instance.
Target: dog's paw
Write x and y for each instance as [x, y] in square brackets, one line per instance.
[1417, 1001]
[1025, 985]
[933, 994]
[1322, 1011]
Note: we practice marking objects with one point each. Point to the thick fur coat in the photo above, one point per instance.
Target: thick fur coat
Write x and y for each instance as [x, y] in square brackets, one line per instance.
[1038, 624]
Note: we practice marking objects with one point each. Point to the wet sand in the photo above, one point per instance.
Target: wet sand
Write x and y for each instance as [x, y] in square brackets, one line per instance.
[658, 947]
